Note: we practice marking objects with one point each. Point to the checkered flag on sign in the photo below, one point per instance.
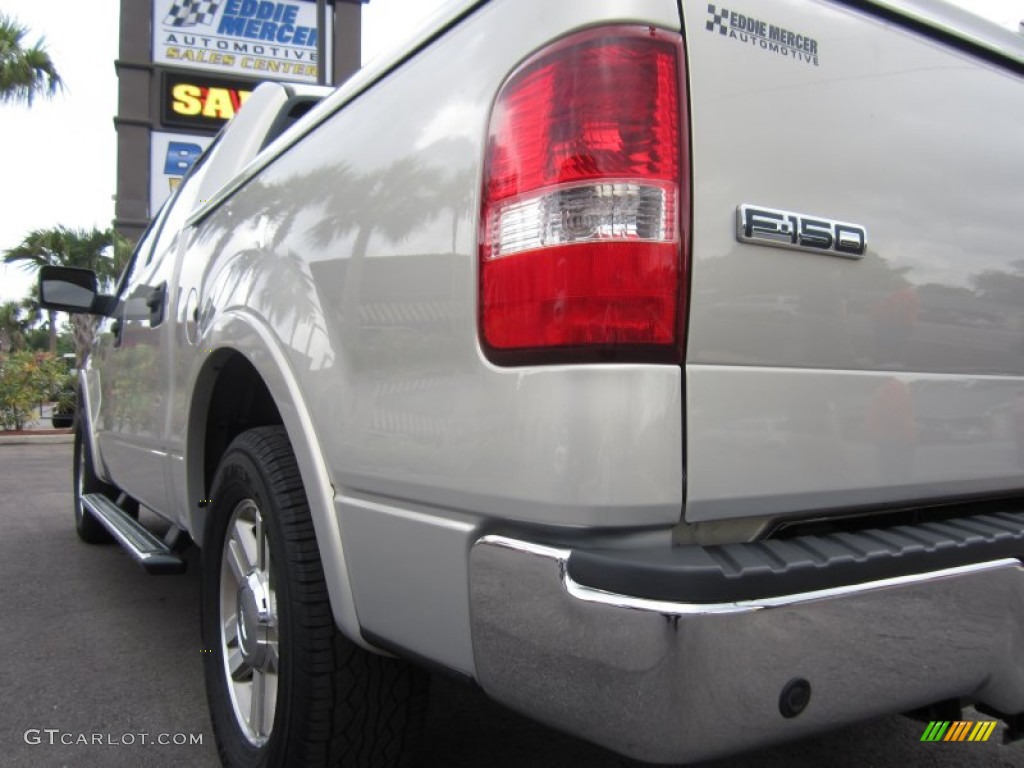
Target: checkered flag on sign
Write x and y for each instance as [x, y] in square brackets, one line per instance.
[188, 13]
[717, 20]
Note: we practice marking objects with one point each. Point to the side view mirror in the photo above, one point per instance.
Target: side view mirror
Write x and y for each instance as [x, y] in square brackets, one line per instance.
[70, 289]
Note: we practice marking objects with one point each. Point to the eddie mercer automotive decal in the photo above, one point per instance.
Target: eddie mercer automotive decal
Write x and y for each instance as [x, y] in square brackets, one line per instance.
[767, 37]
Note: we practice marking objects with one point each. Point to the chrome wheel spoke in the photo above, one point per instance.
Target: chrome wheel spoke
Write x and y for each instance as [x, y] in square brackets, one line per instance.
[261, 545]
[270, 700]
[257, 704]
[272, 651]
[236, 666]
[237, 558]
[230, 626]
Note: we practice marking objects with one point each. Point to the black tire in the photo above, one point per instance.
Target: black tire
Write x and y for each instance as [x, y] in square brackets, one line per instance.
[89, 529]
[335, 703]
[62, 421]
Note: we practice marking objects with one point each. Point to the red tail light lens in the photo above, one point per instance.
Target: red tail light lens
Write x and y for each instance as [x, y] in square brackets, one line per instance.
[580, 246]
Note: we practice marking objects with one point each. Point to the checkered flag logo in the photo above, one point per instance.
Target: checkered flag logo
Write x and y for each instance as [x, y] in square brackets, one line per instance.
[188, 13]
[717, 20]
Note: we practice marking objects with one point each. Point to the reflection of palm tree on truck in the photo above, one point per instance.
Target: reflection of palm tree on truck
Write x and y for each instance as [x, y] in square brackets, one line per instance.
[894, 318]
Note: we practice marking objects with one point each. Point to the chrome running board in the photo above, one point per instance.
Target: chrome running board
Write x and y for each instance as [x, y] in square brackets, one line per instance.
[148, 551]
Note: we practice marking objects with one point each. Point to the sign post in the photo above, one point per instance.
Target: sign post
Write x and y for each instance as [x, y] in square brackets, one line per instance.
[321, 36]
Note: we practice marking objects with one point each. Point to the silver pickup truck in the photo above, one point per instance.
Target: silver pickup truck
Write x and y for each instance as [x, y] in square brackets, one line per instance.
[657, 366]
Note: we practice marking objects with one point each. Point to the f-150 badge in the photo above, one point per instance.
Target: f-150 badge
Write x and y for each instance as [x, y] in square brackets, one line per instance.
[785, 229]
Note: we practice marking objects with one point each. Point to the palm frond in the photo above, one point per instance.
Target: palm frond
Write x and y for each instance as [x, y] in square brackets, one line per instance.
[25, 73]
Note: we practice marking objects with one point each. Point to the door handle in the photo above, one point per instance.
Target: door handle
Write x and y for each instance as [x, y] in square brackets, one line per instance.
[155, 302]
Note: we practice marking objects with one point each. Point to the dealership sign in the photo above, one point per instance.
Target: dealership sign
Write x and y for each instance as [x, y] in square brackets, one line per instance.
[199, 101]
[258, 39]
[170, 157]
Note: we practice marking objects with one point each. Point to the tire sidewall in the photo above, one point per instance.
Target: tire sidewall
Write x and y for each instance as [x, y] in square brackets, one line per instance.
[238, 478]
[84, 480]
[76, 478]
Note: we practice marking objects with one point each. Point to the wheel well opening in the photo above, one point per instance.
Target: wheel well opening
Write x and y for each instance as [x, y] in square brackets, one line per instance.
[239, 401]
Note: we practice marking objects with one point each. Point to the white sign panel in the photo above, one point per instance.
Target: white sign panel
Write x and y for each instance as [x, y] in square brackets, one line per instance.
[259, 39]
[170, 157]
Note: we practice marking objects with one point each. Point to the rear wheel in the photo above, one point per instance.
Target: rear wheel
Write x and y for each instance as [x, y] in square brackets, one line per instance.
[284, 686]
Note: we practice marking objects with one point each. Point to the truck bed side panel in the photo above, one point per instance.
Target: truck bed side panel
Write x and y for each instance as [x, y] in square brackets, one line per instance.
[815, 381]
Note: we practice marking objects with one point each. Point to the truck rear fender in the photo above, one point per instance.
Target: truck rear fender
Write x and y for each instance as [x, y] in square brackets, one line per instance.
[240, 334]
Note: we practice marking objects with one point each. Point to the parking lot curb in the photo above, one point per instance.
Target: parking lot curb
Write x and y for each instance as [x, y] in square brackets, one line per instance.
[36, 439]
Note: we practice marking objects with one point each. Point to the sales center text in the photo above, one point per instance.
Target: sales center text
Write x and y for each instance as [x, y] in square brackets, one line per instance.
[263, 21]
[203, 54]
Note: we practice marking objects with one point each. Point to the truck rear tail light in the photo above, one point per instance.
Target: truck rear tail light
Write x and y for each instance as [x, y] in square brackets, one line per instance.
[581, 249]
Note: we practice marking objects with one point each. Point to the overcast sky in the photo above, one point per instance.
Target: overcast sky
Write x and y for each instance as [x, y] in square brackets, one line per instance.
[59, 157]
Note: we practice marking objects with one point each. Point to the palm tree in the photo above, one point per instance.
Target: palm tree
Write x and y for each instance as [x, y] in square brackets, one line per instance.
[33, 313]
[102, 251]
[24, 72]
[12, 327]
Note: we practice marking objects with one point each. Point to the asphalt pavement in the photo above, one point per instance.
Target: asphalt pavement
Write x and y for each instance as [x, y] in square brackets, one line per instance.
[96, 653]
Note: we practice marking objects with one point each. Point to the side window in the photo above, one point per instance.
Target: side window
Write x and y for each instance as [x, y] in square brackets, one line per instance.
[143, 249]
[150, 297]
[163, 229]
[180, 207]
[181, 204]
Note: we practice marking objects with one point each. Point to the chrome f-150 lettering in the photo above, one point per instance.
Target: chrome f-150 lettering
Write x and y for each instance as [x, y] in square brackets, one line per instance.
[785, 229]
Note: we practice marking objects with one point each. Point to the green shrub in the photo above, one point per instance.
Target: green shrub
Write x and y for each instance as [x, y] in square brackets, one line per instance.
[26, 379]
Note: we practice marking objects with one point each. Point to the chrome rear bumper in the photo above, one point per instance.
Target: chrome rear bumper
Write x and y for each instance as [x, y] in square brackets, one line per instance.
[678, 682]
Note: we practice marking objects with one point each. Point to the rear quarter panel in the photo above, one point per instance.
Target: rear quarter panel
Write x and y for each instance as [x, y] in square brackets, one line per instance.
[357, 250]
[359, 246]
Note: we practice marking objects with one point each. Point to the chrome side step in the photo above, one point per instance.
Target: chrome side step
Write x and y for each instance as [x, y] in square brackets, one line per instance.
[150, 552]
